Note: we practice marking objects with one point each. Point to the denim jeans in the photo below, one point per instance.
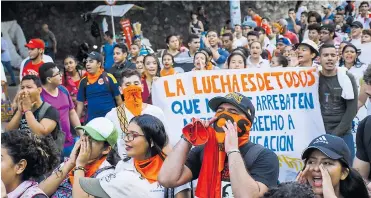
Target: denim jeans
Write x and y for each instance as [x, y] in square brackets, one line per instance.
[349, 140]
[67, 150]
[9, 68]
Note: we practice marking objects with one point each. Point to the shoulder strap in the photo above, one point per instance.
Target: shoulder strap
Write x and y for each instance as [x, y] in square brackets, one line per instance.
[44, 107]
[63, 89]
[101, 170]
[83, 84]
[105, 76]
[121, 114]
[253, 154]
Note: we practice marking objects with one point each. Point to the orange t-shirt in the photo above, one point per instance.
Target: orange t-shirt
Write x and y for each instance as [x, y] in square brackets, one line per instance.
[31, 69]
[257, 19]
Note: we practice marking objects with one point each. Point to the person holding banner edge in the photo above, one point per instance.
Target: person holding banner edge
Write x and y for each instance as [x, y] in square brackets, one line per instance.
[222, 149]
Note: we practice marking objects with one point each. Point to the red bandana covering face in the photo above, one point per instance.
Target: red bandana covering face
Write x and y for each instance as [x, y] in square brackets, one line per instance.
[209, 180]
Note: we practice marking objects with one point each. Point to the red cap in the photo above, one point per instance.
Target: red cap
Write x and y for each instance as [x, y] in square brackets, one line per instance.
[35, 43]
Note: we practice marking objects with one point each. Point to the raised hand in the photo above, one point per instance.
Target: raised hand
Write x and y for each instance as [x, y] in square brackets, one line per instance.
[231, 137]
[85, 152]
[327, 187]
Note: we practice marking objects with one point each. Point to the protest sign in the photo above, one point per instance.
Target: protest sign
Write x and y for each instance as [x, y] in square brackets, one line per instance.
[286, 101]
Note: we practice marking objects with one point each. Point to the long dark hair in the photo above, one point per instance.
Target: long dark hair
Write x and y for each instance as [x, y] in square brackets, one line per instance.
[357, 62]
[154, 132]
[64, 69]
[158, 63]
[236, 54]
[353, 185]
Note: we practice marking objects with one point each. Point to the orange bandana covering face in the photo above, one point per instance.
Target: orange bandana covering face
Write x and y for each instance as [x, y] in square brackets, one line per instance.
[90, 169]
[167, 72]
[92, 78]
[133, 99]
[149, 168]
[209, 180]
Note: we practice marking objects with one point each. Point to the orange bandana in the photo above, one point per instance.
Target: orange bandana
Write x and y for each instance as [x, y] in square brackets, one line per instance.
[209, 180]
[209, 66]
[167, 72]
[92, 78]
[133, 99]
[149, 168]
[90, 168]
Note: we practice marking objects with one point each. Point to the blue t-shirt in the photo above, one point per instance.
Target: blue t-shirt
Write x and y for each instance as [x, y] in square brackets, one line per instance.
[331, 17]
[98, 95]
[290, 24]
[108, 55]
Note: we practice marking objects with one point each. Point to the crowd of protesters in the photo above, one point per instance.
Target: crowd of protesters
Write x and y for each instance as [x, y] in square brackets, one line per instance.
[93, 131]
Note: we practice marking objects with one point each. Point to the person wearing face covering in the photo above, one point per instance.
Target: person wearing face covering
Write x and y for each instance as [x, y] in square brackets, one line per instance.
[222, 154]
[132, 106]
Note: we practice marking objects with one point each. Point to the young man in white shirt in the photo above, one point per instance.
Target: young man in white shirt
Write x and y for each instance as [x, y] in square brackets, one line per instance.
[356, 33]
[365, 57]
[132, 87]
[239, 40]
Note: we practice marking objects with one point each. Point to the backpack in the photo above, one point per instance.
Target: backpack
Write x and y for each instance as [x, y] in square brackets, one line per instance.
[64, 190]
[84, 83]
[58, 135]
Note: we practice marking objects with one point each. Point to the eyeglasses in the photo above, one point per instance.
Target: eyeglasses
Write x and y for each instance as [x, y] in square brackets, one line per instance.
[130, 136]
[59, 73]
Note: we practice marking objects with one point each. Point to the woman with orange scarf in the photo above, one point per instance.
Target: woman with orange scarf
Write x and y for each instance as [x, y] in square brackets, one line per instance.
[88, 159]
[168, 63]
[202, 61]
[145, 142]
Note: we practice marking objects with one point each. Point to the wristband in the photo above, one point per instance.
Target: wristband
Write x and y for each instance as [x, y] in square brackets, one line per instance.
[233, 151]
[79, 168]
[24, 112]
[185, 139]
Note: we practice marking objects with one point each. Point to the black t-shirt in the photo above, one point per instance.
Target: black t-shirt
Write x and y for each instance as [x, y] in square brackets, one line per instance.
[265, 169]
[52, 114]
[363, 141]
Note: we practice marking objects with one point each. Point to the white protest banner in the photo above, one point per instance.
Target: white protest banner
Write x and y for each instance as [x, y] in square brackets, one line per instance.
[286, 101]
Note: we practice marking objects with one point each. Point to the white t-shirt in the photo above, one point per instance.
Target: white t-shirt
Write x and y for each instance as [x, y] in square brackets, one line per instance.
[46, 59]
[358, 72]
[3, 78]
[156, 190]
[262, 63]
[112, 115]
[356, 42]
[241, 42]
[365, 56]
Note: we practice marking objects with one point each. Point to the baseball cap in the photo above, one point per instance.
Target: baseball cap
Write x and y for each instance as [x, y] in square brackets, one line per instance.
[329, 27]
[332, 146]
[249, 23]
[35, 43]
[120, 184]
[312, 45]
[101, 129]
[284, 41]
[357, 24]
[340, 8]
[95, 56]
[238, 100]
[327, 6]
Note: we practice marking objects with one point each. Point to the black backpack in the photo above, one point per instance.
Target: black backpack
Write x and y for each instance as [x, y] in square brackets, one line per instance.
[58, 135]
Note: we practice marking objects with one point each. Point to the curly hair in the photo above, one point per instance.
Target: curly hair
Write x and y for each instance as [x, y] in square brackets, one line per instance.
[41, 153]
[290, 189]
